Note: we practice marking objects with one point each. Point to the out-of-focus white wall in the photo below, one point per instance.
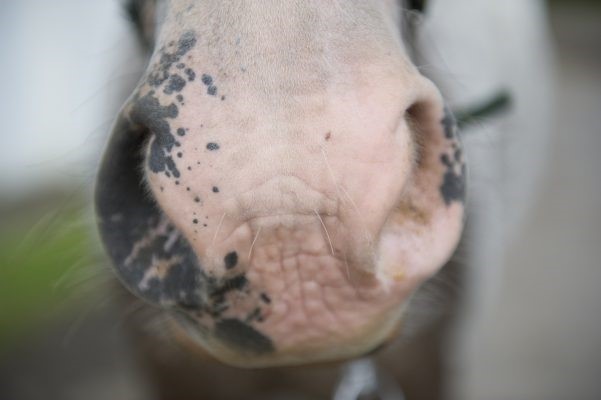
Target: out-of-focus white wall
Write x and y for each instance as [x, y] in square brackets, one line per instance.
[66, 66]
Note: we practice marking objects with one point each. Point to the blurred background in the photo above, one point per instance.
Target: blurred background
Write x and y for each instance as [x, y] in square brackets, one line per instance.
[63, 77]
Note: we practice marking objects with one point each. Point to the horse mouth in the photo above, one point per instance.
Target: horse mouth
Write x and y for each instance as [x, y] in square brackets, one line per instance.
[292, 301]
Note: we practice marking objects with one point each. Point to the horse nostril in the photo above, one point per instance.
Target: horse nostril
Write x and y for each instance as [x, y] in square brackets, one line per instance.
[149, 115]
[416, 117]
[436, 142]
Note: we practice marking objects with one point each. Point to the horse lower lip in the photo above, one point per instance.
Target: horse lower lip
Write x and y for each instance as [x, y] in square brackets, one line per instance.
[293, 297]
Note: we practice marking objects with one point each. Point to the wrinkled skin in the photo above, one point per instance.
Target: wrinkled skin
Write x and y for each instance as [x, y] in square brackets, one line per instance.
[282, 180]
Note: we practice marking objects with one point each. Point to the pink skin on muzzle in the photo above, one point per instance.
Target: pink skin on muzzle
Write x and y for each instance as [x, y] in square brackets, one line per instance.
[296, 214]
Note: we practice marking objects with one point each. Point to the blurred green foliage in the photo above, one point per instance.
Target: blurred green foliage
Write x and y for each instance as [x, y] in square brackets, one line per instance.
[43, 264]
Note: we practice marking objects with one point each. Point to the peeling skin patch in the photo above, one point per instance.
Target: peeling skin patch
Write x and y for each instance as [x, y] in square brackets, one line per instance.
[242, 336]
[148, 112]
[159, 270]
[453, 187]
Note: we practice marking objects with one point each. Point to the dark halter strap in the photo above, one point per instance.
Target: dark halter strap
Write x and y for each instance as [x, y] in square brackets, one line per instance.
[496, 104]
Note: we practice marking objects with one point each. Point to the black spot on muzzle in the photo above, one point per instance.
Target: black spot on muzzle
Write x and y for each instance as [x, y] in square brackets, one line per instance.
[135, 233]
[151, 257]
[454, 183]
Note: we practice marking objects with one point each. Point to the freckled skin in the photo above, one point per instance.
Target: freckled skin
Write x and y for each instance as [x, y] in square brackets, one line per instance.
[311, 243]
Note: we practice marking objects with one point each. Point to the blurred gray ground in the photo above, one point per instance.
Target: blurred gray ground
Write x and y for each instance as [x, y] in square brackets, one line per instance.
[82, 357]
[541, 341]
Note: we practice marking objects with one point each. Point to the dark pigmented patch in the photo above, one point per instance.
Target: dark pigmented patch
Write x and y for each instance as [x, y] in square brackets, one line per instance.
[236, 283]
[215, 189]
[160, 72]
[254, 315]
[212, 146]
[231, 260]
[190, 74]
[138, 241]
[143, 239]
[148, 112]
[453, 187]
[242, 336]
[266, 299]
[218, 290]
[207, 79]
[197, 199]
[176, 84]
[449, 123]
